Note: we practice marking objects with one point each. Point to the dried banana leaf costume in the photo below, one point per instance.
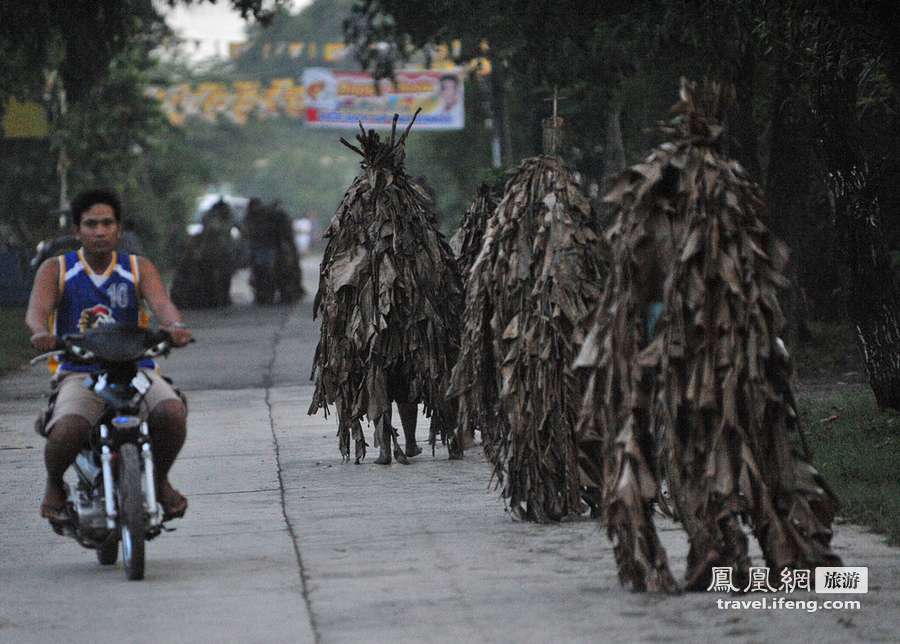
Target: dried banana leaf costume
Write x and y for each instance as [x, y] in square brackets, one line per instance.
[688, 375]
[528, 297]
[467, 241]
[466, 244]
[390, 300]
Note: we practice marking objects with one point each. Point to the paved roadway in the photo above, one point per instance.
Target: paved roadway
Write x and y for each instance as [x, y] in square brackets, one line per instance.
[284, 543]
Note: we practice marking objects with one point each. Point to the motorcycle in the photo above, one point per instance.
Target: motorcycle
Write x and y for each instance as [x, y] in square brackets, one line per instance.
[114, 497]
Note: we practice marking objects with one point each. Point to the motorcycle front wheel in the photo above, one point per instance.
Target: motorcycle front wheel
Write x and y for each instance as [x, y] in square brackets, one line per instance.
[108, 551]
[131, 511]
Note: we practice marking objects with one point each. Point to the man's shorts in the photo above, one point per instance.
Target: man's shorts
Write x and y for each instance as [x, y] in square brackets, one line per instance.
[74, 399]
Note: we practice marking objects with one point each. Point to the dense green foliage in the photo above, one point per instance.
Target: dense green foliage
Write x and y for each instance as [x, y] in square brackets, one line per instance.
[307, 170]
[114, 137]
[89, 64]
[787, 60]
[82, 39]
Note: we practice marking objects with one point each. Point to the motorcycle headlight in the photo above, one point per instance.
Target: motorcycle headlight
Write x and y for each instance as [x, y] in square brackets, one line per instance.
[126, 422]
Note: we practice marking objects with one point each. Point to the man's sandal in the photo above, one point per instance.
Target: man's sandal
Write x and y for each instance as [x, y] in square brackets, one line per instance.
[55, 514]
[174, 506]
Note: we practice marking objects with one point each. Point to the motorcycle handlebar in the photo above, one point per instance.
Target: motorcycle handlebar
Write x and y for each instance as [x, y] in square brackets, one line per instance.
[158, 343]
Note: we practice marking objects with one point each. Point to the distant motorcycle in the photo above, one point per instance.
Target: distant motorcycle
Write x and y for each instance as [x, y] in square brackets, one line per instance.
[114, 498]
[276, 270]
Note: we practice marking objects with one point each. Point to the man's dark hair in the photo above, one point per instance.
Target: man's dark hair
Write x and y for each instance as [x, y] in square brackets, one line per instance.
[449, 77]
[89, 198]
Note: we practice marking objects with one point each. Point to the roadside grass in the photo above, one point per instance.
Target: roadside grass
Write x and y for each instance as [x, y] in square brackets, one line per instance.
[15, 349]
[856, 447]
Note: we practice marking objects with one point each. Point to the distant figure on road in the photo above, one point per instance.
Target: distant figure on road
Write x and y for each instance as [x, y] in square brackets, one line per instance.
[274, 260]
[203, 276]
[78, 291]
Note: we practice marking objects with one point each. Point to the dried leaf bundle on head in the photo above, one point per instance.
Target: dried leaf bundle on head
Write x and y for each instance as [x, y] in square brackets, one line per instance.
[687, 373]
[390, 300]
[528, 295]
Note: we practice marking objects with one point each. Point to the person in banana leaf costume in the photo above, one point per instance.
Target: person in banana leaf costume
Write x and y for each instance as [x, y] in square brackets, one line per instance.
[390, 299]
[466, 245]
[529, 294]
[467, 241]
[687, 374]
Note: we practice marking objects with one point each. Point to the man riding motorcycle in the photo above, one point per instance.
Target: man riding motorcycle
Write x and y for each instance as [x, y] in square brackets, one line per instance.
[78, 291]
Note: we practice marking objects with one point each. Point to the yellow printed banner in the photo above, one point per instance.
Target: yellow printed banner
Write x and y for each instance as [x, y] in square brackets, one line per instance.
[442, 56]
[235, 102]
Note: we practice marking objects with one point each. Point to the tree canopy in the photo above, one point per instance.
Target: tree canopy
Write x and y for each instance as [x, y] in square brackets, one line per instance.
[81, 39]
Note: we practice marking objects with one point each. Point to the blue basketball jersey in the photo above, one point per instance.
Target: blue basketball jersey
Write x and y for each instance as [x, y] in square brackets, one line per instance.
[89, 299]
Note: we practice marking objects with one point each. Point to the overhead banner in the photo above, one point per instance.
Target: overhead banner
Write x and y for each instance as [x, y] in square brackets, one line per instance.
[339, 99]
[234, 102]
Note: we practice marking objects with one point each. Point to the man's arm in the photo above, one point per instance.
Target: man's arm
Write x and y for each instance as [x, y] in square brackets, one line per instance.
[43, 300]
[168, 315]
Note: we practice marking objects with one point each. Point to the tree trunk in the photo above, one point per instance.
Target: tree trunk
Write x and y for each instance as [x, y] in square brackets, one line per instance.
[613, 154]
[871, 295]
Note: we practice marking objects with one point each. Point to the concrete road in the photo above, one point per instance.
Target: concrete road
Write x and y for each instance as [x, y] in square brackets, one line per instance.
[284, 543]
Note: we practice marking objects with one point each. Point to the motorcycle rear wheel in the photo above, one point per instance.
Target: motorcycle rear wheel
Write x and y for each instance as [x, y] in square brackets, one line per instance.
[132, 518]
